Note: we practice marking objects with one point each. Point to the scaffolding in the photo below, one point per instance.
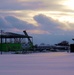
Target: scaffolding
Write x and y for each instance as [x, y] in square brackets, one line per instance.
[11, 41]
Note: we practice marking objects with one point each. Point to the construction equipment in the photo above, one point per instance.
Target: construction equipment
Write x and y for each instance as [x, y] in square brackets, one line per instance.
[28, 37]
[30, 42]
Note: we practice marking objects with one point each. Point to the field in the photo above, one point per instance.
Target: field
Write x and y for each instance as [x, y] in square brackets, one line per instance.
[52, 63]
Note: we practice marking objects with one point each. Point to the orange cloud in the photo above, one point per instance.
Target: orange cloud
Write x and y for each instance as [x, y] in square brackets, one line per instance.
[38, 32]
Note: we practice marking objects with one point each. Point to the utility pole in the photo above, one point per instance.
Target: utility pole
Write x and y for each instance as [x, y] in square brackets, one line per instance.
[1, 41]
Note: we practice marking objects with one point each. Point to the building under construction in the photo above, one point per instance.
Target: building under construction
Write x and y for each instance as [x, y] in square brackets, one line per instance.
[12, 41]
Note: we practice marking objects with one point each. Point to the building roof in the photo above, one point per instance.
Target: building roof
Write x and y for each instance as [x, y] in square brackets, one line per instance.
[13, 35]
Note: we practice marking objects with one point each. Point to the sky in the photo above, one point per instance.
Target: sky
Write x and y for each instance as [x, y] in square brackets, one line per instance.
[48, 21]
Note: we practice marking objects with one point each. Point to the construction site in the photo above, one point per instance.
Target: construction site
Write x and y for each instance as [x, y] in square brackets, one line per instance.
[15, 42]
[23, 43]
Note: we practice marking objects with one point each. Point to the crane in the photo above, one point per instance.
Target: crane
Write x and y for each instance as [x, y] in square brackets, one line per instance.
[28, 37]
[30, 43]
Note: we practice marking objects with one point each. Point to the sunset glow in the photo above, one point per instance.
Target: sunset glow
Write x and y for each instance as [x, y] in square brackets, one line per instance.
[69, 4]
[66, 19]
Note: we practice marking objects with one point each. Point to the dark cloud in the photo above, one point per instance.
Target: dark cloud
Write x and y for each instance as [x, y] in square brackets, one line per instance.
[19, 24]
[4, 24]
[13, 23]
[44, 20]
[47, 23]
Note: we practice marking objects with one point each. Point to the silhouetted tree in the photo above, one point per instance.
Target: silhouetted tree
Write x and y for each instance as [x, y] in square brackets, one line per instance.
[63, 43]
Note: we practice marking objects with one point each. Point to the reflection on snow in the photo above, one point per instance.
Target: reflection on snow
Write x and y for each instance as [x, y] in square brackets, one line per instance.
[56, 63]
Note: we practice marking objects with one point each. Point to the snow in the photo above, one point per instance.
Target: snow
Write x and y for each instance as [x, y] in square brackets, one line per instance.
[52, 63]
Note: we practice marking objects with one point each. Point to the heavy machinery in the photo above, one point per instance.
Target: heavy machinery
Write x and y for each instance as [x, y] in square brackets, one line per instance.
[28, 46]
[29, 40]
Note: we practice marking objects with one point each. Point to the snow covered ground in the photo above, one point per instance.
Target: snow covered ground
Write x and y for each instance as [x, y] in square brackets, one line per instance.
[56, 63]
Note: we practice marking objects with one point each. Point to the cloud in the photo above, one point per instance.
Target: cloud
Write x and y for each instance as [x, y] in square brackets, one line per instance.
[19, 24]
[19, 5]
[58, 31]
[34, 12]
[47, 23]
[43, 4]
[11, 23]
[4, 24]
[48, 28]
[38, 31]
[31, 5]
